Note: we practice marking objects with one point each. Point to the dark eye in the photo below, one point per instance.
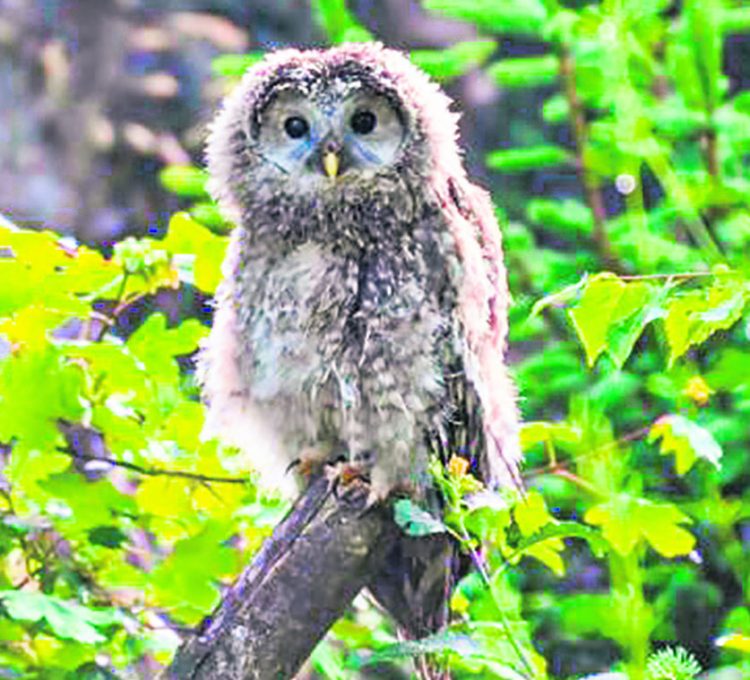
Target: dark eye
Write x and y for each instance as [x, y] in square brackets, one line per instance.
[296, 127]
[363, 122]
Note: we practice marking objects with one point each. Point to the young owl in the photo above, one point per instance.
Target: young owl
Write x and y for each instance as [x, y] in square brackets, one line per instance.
[363, 308]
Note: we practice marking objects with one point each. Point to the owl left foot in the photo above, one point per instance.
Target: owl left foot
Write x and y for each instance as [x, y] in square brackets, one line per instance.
[311, 463]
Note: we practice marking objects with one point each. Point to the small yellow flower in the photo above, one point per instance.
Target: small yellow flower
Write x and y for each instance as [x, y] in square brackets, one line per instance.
[698, 390]
[457, 466]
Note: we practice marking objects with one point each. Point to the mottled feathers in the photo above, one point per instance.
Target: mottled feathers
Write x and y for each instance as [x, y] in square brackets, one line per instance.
[363, 309]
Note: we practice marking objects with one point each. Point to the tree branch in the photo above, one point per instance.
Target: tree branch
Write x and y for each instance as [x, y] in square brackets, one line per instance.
[319, 557]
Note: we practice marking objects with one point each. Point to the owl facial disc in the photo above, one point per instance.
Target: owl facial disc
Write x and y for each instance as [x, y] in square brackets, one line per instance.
[338, 130]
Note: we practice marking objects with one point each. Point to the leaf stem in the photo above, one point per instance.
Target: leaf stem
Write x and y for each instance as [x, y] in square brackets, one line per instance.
[481, 568]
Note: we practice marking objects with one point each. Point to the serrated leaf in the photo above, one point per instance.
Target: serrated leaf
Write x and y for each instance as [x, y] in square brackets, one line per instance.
[532, 517]
[626, 521]
[153, 342]
[593, 314]
[612, 314]
[687, 440]
[693, 317]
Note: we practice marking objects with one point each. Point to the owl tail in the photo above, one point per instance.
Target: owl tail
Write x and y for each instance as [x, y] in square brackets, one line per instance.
[414, 588]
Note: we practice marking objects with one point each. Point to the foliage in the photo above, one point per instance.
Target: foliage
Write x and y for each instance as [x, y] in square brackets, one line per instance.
[119, 524]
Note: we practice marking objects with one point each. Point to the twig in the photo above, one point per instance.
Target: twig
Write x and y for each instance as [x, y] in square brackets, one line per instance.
[591, 189]
[554, 466]
[155, 472]
[681, 275]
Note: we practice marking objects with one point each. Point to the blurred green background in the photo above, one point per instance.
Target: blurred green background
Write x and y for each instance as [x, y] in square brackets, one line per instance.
[615, 137]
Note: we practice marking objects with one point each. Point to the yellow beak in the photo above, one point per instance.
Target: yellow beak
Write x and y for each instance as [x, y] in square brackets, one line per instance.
[331, 163]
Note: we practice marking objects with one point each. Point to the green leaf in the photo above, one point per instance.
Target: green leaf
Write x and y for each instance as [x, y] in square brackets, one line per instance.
[199, 251]
[569, 217]
[433, 644]
[687, 440]
[696, 315]
[185, 180]
[455, 60]
[234, 65]
[594, 313]
[37, 388]
[559, 530]
[525, 17]
[529, 158]
[525, 71]
[209, 215]
[415, 521]
[536, 432]
[556, 110]
[338, 22]
[91, 503]
[612, 314]
[626, 521]
[531, 513]
[50, 275]
[67, 620]
[153, 342]
[107, 536]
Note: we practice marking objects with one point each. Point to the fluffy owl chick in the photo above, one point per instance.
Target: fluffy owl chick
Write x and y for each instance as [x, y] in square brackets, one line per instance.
[363, 307]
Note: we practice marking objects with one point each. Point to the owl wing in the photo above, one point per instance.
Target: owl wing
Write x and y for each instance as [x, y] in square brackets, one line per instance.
[482, 391]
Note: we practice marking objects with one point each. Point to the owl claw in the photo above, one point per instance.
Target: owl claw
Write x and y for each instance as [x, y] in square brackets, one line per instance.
[310, 463]
[346, 476]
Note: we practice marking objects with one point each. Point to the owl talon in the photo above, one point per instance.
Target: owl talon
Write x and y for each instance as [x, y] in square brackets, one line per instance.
[346, 476]
[311, 463]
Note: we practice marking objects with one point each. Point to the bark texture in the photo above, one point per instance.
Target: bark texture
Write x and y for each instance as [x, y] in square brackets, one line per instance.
[319, 557]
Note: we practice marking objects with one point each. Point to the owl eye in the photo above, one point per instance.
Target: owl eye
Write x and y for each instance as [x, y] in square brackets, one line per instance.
[296, 127]
[363, 122]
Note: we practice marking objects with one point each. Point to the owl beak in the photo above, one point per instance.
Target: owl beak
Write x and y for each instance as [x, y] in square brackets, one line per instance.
[331, 163]
[330, 157]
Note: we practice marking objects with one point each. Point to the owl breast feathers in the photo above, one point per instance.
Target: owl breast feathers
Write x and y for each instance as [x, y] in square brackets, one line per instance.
[363, 308]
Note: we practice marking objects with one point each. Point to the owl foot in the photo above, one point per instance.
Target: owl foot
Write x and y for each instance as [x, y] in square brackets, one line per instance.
[344, 475]
[311, 463]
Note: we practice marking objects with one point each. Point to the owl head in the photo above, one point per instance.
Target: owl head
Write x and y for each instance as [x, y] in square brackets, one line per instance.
[317, 127]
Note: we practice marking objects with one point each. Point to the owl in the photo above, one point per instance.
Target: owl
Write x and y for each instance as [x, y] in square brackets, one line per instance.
[362, 314]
